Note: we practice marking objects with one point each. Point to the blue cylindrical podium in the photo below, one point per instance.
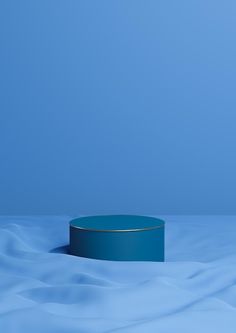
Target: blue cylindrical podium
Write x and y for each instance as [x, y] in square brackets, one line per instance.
[118, 237]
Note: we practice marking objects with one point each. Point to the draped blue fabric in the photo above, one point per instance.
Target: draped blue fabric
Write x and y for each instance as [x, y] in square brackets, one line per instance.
[42, 289]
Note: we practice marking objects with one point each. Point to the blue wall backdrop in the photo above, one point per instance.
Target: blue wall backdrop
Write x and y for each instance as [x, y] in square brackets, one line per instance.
[117, 107]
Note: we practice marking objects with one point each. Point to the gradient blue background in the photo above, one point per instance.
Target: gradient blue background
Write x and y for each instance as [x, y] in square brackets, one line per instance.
[117, 107]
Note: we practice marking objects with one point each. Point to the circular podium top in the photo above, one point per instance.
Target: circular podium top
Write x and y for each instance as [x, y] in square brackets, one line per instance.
[117, 223]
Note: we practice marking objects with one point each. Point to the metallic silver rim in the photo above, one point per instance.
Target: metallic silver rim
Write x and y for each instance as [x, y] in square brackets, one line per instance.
[120, 230]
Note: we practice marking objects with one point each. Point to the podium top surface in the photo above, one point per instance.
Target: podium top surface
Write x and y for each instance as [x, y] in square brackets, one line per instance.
[117, 223]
